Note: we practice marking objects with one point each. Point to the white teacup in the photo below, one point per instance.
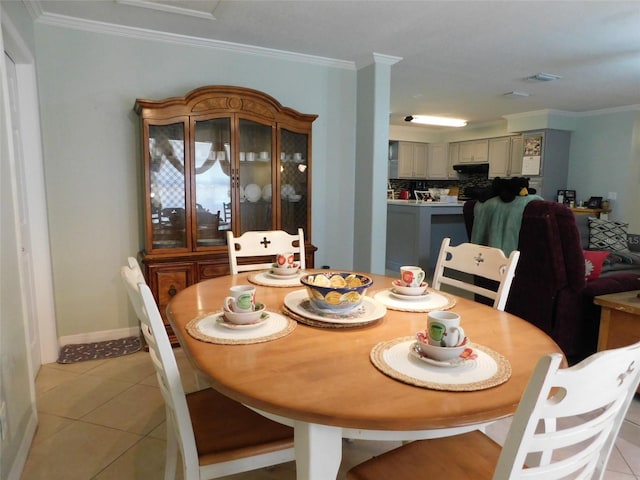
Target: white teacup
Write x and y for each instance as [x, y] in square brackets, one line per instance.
[412, 276]
[251, 156]
[264, 155]
[444, 328]
[297, 157]
[243, 156]
[242, 298]
[285, 260]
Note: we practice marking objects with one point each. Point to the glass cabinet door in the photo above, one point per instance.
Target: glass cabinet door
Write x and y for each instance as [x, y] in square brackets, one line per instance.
[255, 177]
[212, 181]
[167, 190]
[294, 175]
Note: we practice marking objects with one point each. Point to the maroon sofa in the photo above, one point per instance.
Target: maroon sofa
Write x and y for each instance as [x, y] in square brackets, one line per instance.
[549, 288]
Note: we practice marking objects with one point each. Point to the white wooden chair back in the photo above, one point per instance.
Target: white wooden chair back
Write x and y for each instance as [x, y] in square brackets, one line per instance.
[179, 428]
[135, 266]
[260, 244]
[421, 194]
[568, 419]
[478, 260]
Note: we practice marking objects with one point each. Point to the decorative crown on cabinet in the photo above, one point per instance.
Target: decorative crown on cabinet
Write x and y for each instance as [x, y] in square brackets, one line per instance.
[220, 158]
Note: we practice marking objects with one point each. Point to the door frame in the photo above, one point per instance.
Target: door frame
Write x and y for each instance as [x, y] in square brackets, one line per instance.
[35, 194]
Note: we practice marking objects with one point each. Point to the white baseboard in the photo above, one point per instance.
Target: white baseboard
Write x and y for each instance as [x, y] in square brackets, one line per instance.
[101, 336]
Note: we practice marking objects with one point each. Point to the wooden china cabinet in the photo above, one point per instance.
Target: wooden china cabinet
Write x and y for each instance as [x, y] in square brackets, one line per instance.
[220, 158]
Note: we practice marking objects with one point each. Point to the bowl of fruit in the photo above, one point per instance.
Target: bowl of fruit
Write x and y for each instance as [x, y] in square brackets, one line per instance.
[337, 292]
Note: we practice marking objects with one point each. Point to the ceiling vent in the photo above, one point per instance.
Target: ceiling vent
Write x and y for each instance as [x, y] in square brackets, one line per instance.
[543, 77]
[515, 94]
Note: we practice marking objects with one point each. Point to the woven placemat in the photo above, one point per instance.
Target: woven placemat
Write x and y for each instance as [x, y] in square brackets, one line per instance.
[388, 300]
[281, 326]
[400, 366]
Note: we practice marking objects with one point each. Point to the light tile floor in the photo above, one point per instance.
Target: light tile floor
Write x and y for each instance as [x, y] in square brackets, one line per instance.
[104, 420]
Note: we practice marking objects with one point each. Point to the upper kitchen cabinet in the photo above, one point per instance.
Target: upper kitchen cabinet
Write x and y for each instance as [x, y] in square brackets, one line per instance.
[505, 156]
[438, 161]
[220, 158]
[412, 160]
[474, 151]
[454, 154]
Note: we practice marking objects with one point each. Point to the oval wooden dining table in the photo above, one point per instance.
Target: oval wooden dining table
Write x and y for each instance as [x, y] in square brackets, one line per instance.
[322, 380]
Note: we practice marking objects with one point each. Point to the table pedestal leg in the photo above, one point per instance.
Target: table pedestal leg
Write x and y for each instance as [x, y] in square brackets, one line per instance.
[318, 451]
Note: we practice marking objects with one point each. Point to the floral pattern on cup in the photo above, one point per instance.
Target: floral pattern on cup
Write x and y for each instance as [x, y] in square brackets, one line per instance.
[412, 276]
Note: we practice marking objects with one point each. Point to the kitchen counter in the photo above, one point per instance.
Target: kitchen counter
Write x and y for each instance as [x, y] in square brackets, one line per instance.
[415, 231]
[418, 203]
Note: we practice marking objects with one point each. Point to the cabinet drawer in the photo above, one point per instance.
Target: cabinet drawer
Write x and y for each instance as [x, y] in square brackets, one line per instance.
[165, 281]
[212, 269]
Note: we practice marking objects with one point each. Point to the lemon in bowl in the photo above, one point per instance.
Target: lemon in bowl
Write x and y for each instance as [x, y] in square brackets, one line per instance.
[336, 292]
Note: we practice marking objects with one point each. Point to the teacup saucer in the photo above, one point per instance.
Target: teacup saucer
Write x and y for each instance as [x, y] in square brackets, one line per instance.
[402, 296]
[415, 352]
[223, 322]
[272, 274]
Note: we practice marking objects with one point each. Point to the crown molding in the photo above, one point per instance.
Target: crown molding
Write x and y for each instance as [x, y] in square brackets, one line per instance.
[93, 26]
[164, 7]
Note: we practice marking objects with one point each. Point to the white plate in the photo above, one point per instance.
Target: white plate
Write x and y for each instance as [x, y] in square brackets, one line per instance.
[223, 322]
[253, 192]
[408, 297]
[370, 310]
[287, 190]
[272, 274]
[266, 192]
[433, 300]
[456, 362]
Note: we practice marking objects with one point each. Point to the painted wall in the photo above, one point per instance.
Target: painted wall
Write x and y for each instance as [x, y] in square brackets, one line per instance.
[605, 158]
[88, 84]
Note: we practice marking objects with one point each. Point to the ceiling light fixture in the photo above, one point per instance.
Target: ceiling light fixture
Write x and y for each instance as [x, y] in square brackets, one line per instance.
[543, 77]
[439, 121]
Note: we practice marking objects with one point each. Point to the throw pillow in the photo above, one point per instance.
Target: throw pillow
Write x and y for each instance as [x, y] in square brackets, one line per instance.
[608, 235]
[593, 260]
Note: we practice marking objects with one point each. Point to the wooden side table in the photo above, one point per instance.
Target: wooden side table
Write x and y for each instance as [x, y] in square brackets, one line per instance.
[619, 319]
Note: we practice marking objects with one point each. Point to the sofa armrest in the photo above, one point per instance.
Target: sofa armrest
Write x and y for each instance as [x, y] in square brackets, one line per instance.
[621, 282]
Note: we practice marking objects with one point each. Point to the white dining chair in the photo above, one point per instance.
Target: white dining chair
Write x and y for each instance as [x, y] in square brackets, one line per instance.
[263, 243]
[135, 266]
[564, 427]
[216, 436]
[458, 265]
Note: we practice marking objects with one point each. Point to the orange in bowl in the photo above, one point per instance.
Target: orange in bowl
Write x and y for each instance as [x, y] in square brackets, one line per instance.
[337, 292]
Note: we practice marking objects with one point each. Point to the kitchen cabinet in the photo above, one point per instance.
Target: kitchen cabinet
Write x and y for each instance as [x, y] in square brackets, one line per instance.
[412, 160]
[474, 151]
[393, 159]
[505, 156]
[220, 158]
[454, 153]
[437, 161]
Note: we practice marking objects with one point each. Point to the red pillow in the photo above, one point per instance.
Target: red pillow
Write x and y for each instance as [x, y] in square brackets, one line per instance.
[593, 260]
